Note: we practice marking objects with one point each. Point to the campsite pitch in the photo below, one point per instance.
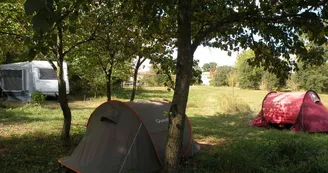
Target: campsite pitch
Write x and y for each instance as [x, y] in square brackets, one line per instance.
[29, 135]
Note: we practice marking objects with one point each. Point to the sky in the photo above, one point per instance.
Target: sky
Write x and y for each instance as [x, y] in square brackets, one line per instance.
[206, 55]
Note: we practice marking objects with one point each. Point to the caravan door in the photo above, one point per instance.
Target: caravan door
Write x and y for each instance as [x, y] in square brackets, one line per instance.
[45, 80]
[12, 80]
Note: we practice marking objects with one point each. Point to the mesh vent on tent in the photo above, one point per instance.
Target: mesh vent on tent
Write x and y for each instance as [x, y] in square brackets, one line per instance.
[314, 97]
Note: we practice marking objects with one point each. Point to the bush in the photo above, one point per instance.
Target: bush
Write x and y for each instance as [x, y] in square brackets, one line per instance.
[220, 77]
[38, 98]
[270, 82]
[234, 105]
[314, 78]
[232, 78]
[292, 83]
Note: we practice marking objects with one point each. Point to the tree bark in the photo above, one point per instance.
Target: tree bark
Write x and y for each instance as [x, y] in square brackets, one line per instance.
[65, 133]
[135, 77]
[108, 83]
[180, 97]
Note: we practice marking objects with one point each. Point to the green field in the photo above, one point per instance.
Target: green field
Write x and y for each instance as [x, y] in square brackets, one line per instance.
[29, 135]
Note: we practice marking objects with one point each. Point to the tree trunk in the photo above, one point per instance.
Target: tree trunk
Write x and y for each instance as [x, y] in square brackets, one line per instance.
[108, 84]
[65, 133]
[135, 78]
[180, 98]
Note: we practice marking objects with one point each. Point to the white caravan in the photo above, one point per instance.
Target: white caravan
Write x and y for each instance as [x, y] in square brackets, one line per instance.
[18, 80]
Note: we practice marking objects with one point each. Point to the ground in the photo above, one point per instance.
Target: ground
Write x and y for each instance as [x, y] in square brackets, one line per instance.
[29, 135]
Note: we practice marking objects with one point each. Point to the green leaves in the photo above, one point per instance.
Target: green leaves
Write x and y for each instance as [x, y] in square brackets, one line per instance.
[44, 16]
[34, 6]
[209, 66]
[220, 77]
[15, 32]
[271, 28]
[312, 77]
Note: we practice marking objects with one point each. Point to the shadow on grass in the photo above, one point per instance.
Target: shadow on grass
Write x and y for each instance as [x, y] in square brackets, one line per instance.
[222, 125]
[56, 107]
[14, 117]
[252, 149]
[37, 152]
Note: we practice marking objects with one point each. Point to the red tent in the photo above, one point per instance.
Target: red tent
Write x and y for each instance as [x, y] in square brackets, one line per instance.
[298, 111]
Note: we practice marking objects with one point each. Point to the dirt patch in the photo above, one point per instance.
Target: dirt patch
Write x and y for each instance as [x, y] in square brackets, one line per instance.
[4, 133]
[209, 143]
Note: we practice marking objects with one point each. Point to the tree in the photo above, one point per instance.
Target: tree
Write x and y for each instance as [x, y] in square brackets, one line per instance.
[230, 26]
[255, 77]
[15, 32]
[165, 72]
[270, 82]
[154, 49]
[196, 74]
[112, 39]
[165, 69]
[313, 78]
[156, 44]
[110, 54]
[87, 76]
[308, 74]
[57, 31]
[157, 77]
[183, 79]
[209, 66]
[232, 78]
[220, 77]
[248, 76]
[139, 62]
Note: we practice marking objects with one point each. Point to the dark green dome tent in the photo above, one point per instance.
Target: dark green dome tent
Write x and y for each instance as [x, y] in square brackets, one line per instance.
[126, 136]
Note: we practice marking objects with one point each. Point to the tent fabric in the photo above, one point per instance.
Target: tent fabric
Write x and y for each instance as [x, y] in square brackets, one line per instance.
[298, 111]
[125, 137]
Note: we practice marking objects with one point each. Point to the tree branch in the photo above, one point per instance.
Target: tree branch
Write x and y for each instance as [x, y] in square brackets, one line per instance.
[213, 27]
[140, 60]
[237, 17]
[143, 60]
[53, 65]
[102, 64]
[13, 34]
[70, 9]
[79, 43]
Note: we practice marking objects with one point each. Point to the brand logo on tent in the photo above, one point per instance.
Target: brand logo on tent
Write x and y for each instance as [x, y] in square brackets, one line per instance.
[162, 120]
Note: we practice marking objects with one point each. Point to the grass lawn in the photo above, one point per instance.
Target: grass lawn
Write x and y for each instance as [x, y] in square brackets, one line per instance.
[29, 135]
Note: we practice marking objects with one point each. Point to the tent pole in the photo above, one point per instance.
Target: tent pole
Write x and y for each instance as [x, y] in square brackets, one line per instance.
[135, 137]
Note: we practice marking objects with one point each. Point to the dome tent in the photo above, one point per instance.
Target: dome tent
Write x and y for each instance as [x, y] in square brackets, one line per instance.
[298, 111]
[125, 137]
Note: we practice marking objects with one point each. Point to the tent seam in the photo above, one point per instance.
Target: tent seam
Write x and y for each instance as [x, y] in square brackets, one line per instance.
[127, 155]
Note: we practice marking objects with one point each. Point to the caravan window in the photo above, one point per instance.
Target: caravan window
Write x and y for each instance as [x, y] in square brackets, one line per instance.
[12, 79]
[47, 74]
